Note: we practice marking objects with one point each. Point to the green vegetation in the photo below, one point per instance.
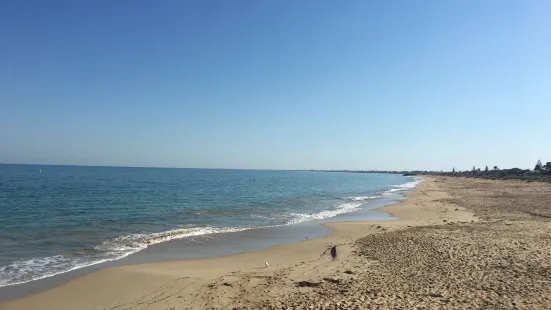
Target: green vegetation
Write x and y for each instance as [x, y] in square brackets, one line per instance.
[541, 173]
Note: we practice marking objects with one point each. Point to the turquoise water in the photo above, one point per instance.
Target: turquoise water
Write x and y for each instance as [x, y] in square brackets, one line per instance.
[54, 219]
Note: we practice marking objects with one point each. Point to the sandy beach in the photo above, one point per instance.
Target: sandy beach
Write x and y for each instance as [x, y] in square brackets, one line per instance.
[458, 243]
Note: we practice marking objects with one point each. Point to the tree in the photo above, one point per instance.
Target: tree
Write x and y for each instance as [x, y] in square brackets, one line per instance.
[474, 169]
[538, 166]
[453, 170]
[478, 170]
[496, 168]
[486, 170]
[547, 166]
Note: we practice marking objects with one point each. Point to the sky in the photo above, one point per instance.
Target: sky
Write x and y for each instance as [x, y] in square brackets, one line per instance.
[390, 85]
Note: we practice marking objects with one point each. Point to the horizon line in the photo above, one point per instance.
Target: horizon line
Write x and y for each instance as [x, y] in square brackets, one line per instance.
[202, 168]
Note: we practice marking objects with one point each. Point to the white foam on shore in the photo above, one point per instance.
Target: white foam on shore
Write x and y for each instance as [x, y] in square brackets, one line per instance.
[165, 236]
[361, 198]
[304, 217]
[406, 186]
[24, 271]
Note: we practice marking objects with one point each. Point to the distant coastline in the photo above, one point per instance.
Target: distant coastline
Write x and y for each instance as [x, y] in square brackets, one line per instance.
[404, 173]
[540, 173]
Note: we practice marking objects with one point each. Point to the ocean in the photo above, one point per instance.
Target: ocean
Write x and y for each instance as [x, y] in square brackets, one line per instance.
[55, 219]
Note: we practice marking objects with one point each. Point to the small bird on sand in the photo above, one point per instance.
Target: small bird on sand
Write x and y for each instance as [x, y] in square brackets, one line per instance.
[334, 252]
[267, 265]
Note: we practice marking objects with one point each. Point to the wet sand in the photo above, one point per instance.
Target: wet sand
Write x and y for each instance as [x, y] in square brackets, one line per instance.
[459, 243]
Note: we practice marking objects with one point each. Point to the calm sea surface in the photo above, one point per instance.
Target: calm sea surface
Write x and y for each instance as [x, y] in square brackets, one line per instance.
[54, 219]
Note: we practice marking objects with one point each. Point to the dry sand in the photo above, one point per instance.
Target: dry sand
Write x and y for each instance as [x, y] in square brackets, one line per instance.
[437, 256]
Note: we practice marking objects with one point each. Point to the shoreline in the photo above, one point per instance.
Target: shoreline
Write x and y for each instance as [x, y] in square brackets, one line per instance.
[310, 230]
[349, 205]
[204, 269]
[157, 253]
[109, 247]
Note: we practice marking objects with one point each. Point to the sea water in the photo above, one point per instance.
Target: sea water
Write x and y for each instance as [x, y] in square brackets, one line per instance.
[54, 219]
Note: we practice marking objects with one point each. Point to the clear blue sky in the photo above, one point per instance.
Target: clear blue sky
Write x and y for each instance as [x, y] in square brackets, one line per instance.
[276, 84]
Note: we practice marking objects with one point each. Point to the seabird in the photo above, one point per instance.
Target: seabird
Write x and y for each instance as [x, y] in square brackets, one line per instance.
[267, 265]
[334, 252]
